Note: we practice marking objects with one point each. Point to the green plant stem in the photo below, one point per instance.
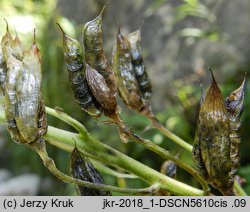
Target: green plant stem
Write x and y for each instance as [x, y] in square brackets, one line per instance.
[239, 189]
[101, 152]
[104, 169]
[58, 113]
[93, 148]
[158, 125]
[167, 155]
[40, 148]
[146, 143]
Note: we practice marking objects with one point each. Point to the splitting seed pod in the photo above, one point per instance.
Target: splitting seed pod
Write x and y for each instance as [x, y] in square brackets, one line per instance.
[234, 104]
[83, 169]
[94, 52]
[24, 107]
[141, 75]
[127, 84]
[30, 115]
[76, 70]
[212, 142]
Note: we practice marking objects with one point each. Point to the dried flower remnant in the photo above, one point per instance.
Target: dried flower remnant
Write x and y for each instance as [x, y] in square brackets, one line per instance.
[127, 84]
[82, 168]
[76, 70]
[141, 75]
[212, 143]
[234, 104]
[94, 52]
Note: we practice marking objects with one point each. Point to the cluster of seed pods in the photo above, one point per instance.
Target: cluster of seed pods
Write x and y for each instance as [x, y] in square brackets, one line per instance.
[21, 77]
[92, 80]
[133, 82]
[94, 84]
[217, 141]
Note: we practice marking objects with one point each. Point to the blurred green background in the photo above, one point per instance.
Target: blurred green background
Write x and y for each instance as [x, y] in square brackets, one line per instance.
[180, 39]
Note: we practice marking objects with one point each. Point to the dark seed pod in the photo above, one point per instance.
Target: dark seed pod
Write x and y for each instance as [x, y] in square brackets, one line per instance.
[94, 52]
[100, 90]
[234, 104]
[30, 112]
[212, 143]
[82, 168]
[141, 75]
[76, 70]
[127, 84]
[169, 168]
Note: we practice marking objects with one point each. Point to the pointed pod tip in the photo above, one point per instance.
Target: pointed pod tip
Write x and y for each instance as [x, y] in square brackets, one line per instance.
[213, 100]
[214, 84]
[211, 72]
[7, 25]
[97, 20]
[102, 11]
[60, 28]
[119, 34]
[34, 35]
[34, 46]
[243, 82]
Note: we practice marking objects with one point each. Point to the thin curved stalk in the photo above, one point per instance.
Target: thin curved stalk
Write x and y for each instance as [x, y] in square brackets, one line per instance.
[67, 119]
[240, 191]
[167, 155]
[158, 125]
[104, 169]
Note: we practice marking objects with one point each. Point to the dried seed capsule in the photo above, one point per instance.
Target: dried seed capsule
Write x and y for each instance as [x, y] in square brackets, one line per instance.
[141, 75]
[10, 99]
[94, 53]
[100, 90]
[76, 70]
[212, 146]
[82, 168]
[127, 84]
[234, 104]
[30, 114]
